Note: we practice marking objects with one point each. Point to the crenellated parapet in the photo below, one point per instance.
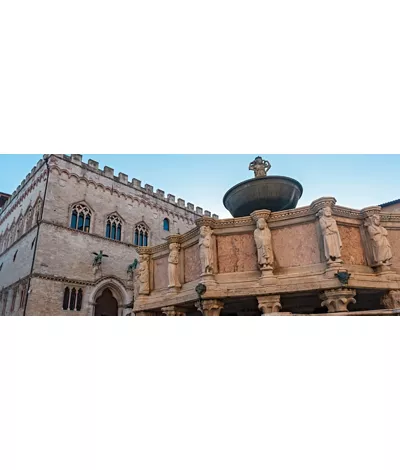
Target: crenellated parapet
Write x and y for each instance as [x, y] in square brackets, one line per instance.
[134, 183]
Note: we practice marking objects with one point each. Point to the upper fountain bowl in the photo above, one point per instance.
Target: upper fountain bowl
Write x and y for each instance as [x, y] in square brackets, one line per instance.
[274, 193]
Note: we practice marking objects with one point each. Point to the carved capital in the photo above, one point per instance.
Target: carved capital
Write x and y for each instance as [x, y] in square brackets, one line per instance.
[321, 203]
[337, 300]
[210, 307]
[173, 311]
[174, 239]
[261, 214]
[391, 299]
[206, 222]
[370, 211]
[269, 304]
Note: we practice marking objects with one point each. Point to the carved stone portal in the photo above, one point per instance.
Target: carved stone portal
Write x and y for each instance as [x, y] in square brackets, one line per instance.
[173, 311]
[338, 300]
[210, 308]
[269, 304]
[391, 299]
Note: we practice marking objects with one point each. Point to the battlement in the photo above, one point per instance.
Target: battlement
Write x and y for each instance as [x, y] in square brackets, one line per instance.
[122, 178]
[10, 198]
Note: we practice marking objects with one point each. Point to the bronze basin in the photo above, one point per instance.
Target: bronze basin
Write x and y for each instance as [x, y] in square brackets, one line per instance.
[275, 193]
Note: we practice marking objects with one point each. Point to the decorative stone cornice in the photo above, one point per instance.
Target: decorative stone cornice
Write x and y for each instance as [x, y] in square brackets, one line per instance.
[291, 214]
[78, 282]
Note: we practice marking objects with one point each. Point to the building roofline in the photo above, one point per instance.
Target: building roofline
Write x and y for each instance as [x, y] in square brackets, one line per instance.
[390, 203]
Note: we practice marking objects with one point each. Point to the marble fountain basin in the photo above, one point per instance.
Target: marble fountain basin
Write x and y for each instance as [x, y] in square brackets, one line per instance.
[275, 193]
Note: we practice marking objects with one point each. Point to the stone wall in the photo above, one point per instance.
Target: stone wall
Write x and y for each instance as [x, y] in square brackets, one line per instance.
[105, 194]
[68, 253]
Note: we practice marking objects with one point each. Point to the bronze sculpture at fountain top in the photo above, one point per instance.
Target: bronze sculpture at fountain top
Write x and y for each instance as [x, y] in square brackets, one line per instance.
[274, 193]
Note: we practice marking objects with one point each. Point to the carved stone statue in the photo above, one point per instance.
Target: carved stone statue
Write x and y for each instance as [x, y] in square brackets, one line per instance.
[206, 250]
[144, 275]
[263, 239]
[260, 167]
[331, 235]
[173, 265]
[381, 249]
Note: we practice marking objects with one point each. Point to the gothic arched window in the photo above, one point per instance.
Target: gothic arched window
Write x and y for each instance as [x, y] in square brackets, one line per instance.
[29, 219]
[72, 299]
[166, 225]
[81, 218]
[114, 228]
[141, 235]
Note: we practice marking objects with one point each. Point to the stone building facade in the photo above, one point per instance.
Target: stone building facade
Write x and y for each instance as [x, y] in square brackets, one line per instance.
[69, 236]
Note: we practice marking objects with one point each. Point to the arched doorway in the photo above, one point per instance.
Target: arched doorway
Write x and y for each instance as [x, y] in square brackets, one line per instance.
[106, 305]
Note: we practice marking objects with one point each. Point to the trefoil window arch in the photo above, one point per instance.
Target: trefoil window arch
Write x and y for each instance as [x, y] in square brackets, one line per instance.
[81, 218]
[114, 228]
[141, 237]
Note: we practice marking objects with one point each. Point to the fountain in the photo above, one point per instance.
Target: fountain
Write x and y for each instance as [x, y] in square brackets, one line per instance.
[274, 193]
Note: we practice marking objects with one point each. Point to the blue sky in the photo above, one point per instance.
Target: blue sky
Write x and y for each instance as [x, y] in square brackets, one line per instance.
[355, 180]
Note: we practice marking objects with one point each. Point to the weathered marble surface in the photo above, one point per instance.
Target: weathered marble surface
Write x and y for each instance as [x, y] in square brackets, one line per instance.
[237, 253]
[192, 263]
[296, 246]
[394, 239]
[161, 273]
[352, 250]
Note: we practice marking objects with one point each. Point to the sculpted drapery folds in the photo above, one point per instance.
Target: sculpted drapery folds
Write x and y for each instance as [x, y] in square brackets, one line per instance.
[144, 275]
[378, 235]
[173, 265]
[206, 250]
[331, 236]
[263, 239]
